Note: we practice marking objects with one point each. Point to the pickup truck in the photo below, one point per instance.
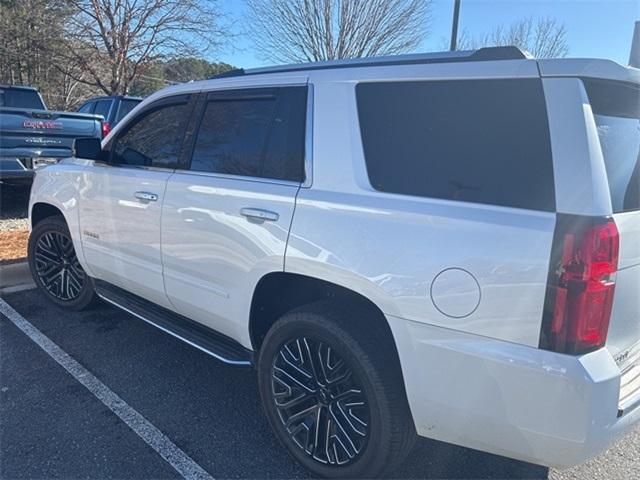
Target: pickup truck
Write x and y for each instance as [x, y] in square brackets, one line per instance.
[32, 136]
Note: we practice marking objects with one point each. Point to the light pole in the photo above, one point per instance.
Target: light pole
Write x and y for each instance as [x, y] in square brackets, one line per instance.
[454, 27]
[634, 56]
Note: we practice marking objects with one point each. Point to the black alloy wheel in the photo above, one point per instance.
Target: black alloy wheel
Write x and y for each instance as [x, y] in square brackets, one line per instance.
[332, 390]
[55, 267]
[320, 401]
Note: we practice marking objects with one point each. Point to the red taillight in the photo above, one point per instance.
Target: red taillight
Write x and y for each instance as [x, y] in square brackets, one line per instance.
[581, 285]
[106, 128]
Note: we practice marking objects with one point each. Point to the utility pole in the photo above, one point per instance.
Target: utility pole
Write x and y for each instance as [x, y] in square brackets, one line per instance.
[454, 27]
[634, 56]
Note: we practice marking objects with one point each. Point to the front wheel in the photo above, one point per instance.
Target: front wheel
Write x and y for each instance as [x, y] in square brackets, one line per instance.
[54, 265]
[333, 393]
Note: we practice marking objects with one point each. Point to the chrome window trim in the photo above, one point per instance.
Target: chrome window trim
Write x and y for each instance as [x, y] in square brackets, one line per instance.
[98, 163]
[244, 178]
[308, 140]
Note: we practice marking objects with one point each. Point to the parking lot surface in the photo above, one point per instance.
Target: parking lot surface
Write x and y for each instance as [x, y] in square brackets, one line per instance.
[52, 426]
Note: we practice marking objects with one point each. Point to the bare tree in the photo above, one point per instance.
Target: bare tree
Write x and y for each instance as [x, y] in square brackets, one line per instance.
[116, 41]
[31, 32]
[312, 30]
[543, 37]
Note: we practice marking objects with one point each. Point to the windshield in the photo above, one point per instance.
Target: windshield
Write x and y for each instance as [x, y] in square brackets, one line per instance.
[19, 98]
[616, 109]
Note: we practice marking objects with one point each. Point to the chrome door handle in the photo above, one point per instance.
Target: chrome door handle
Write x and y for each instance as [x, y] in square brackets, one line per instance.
[146, 196]
[259, 214]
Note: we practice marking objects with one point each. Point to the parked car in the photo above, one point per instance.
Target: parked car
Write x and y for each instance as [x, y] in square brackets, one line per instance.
[32, 136]
[445, 245]
[112, 108]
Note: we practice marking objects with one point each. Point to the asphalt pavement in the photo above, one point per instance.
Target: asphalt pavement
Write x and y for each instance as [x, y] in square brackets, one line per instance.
[53, 426]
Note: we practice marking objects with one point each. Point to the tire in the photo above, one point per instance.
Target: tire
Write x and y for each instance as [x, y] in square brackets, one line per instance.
[369, 433]
[55, 268]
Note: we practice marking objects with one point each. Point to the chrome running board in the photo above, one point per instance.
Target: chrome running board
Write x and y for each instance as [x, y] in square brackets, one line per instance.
[195, 334]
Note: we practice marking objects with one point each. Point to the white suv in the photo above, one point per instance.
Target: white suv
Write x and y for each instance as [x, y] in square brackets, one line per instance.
[444, 244]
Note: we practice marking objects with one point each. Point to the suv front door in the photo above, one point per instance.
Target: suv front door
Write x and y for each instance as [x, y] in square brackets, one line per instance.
[226, 219]
[121, 200]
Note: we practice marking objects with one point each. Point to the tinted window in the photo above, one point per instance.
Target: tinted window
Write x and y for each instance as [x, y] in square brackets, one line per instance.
[616, 108]
[483, 141]
[261, 135]
[87, 107]
[19, 98]
[125, 107]
[153, 139]
[103, 107]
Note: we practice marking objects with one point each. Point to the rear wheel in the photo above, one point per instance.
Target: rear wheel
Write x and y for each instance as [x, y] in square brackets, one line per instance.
[333, 393]
[54, 265]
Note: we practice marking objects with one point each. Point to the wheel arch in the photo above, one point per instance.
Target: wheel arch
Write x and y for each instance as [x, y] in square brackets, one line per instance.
[46, 207]
[43, 210]
[279, 292]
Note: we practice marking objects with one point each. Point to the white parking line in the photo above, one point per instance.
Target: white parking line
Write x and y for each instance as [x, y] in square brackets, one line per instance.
[148, 432]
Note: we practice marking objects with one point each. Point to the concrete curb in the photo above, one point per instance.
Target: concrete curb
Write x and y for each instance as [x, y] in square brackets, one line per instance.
[15, 277]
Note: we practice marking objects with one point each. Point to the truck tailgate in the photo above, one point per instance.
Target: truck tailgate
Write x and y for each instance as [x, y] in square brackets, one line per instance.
[25, 130]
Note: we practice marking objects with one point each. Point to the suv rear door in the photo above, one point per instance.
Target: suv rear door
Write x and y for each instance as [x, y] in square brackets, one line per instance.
[125, 106]
[226, 216]
[121, 201]
[103, 107]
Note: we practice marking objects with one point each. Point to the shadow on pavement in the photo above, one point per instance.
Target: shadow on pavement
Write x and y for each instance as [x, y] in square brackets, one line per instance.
[209, 410]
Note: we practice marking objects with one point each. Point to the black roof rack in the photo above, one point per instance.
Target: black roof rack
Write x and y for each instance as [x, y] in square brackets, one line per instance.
[236, 72]
[480, 55]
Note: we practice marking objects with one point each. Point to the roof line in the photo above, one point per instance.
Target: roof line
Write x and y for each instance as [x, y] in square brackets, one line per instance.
[482, 54]
[22, 87]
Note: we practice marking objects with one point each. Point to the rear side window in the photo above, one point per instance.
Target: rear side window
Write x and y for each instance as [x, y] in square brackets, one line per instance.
[19, 98]
[125, 107]
[482, 141]
[87, 108]
[103, 107]
[153, 139]
[616, 110]
[253, 133]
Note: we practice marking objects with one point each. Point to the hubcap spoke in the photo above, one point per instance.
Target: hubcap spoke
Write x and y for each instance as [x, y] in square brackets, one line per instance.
[320, 401]
[57, 266]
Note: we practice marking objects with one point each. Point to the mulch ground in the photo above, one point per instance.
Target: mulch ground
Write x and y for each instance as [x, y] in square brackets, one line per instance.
[13, 245]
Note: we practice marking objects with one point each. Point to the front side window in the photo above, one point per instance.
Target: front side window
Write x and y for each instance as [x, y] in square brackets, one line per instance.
[153, 139]
[481, 141]
[253, 134]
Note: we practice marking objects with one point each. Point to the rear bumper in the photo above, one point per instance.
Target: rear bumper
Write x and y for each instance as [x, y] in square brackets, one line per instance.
[19, 169]
[508, 399]
[14, 173]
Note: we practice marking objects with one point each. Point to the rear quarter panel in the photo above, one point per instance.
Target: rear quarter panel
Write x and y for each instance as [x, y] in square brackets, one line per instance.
[390, 248]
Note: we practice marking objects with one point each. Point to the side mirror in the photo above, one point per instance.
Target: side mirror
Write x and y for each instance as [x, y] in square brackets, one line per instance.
[88, 148]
